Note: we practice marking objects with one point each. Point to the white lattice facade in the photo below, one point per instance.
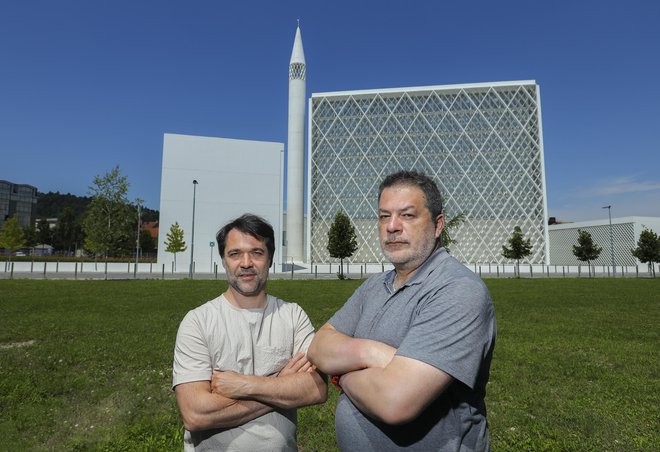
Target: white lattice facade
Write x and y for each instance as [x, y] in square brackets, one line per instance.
[482, 144]
[625, 233]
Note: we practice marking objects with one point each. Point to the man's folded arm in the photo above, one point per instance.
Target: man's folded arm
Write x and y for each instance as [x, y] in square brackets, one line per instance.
[397, 393]
[336, 353]
[202, 410]
[297, 385]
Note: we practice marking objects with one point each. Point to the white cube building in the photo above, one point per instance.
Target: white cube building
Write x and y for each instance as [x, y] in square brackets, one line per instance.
[234, 177]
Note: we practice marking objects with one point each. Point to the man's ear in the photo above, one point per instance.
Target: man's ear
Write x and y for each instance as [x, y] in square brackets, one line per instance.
[439, 225]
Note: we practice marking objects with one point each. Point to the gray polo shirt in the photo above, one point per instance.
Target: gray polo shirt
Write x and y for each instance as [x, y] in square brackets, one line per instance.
[442, 316]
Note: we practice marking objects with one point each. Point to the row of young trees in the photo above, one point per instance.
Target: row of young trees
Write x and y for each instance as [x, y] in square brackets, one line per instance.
[585, 250]
[342, 243]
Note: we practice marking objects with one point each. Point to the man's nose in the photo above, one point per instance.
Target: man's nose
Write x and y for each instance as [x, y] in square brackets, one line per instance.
[246, 260]
[394, 224]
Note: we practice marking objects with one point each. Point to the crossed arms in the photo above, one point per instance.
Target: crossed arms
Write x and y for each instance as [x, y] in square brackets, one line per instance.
[384, 386]
[231, 399]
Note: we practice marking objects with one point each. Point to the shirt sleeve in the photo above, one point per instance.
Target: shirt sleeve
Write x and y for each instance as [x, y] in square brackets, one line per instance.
[346, 319]
[453, 330]
[303, 331]
[192, 359]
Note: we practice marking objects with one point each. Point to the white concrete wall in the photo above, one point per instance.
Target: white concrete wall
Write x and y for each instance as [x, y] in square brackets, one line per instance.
[234, 177]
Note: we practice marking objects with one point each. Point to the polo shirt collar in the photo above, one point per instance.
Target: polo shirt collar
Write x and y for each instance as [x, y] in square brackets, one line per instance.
[420, 274]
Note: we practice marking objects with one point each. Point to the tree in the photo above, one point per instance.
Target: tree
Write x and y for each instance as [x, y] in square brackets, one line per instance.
[450, 225]
[67, 234]
[342, 241]
[44, 234]
[29, 236]
[11, 236]
[648, 249]
[518, 247]
[585, 250]
[175, 243]
[147, 242]
[109, 221]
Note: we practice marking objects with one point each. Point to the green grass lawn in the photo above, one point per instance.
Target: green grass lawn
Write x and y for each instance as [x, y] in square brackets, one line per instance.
[86, 365]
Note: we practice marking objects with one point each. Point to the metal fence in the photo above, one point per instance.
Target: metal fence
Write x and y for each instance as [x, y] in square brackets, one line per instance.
[128, 270]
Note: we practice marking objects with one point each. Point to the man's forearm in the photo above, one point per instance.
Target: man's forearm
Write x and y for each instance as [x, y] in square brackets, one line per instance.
[336, 353]
[203, 410]
[285, 391]
[397, 393]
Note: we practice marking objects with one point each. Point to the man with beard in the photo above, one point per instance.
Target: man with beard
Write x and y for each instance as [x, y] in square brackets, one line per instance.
[240, 369]
[411, 349]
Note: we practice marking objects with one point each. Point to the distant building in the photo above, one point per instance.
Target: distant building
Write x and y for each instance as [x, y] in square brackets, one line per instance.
[151, 227]
[482, 143]
[18, 200]
[625, 233]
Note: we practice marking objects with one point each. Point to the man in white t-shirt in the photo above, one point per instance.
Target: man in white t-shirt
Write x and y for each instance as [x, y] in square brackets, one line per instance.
[240, 369]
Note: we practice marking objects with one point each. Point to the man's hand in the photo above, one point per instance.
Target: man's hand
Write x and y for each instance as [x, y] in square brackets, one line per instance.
[229, 384]
[237, 386]
[299, 363]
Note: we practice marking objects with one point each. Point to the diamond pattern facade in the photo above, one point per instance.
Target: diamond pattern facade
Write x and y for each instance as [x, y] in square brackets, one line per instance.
[482, 144]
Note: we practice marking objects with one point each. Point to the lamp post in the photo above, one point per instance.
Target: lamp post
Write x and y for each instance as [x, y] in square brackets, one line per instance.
[192, 240]
[609, 213]
[137, 240]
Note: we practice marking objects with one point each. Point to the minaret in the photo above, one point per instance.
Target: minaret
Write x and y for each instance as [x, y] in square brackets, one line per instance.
[296, 153]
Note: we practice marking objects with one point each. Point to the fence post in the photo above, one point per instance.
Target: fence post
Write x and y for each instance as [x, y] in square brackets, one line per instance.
[75, 270]
[316, 269]
[163, 275]
[57, 267]
[498, 270]
[106, 270]
[45, 263]
[31, 266]
[151, 267]
[11, 275]
[563, 271]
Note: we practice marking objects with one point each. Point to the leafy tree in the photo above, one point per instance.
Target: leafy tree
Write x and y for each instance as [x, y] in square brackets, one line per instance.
[450, 225]
[518, 247]
[175, 243]
[30, 236]
[67, 234]
[342, 241]
[648, 249]
[11, 236]
[44, 234]
[109, 221]
[147, 242]
[586, 250]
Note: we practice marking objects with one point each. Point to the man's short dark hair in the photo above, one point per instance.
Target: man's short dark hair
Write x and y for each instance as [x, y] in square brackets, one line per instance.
[432, 197]
[251, 224]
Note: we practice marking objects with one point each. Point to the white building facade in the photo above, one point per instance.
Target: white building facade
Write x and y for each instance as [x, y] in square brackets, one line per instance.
[233, 177]
[482, 143]
[625, 234]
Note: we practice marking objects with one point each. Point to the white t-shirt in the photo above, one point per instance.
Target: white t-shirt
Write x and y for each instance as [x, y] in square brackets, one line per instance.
[218, 335]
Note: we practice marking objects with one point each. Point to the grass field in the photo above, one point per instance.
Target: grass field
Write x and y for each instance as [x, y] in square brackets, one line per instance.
[86, 365]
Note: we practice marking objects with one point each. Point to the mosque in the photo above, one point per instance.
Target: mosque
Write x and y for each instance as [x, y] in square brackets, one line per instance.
[482, 143]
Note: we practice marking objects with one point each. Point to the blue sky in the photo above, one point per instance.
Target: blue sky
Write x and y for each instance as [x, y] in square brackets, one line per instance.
[88, 85]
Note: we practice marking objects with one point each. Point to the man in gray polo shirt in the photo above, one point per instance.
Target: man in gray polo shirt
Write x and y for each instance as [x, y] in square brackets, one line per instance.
[412, 346]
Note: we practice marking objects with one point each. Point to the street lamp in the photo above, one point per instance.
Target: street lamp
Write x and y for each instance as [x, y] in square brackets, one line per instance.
[137, 240]
[192, 240]
[609, 213]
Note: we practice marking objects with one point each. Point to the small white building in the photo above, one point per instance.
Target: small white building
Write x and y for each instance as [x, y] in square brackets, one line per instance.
[233, 177]
[625, 233]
